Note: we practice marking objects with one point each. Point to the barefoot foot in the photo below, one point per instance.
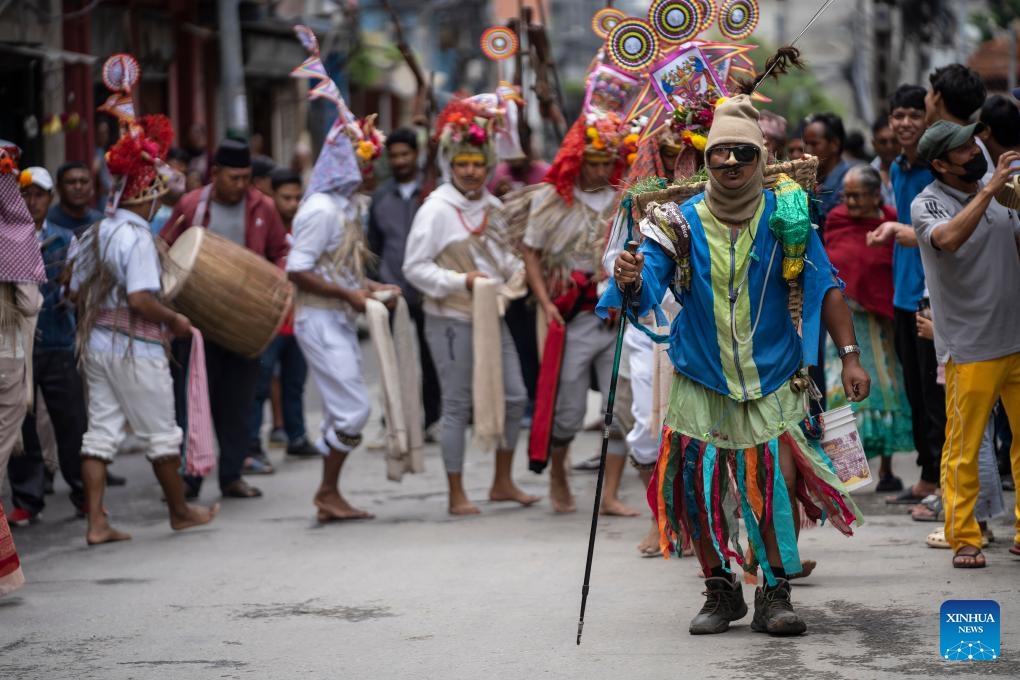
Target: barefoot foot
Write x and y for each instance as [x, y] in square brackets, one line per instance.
[105, 534]
[465, 507]
[195, 516]
[561, 498]
[649, 545]
[332, 506]
[617, 508]
[511, 492]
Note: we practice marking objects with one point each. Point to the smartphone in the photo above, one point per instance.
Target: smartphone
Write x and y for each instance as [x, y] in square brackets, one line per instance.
[924, 307]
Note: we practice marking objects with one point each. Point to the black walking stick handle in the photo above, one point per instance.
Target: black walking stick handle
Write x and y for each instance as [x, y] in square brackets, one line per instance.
[628, 293]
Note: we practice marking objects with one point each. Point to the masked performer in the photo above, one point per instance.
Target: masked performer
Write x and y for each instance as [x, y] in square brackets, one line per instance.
[737, 404]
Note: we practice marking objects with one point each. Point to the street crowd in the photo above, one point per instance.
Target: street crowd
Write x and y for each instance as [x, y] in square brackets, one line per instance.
[912, 268]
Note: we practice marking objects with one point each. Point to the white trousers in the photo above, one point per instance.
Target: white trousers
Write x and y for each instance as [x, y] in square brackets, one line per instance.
[330, 345]
[130, 391]
[643, 438]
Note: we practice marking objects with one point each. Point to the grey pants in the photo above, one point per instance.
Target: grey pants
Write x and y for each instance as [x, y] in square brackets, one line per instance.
[589, 343]
[990, 504]
[449, 342]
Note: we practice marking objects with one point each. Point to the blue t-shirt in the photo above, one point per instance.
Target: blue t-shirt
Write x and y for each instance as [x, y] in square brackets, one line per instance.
[908, 272]
[55, 327]
[57, 216]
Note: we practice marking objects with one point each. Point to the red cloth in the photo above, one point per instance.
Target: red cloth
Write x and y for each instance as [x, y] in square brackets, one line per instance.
[11, 577]
[264, 232]
[200, 454]
[867, 271]
[545, 398]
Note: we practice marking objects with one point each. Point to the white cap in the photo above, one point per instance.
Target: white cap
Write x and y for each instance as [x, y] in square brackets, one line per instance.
[40, 177]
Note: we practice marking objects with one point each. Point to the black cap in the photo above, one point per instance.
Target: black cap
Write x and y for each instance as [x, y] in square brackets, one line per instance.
[261, 166]
[232, 153]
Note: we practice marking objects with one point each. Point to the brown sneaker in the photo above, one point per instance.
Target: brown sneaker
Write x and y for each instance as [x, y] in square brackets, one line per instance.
[724, 603]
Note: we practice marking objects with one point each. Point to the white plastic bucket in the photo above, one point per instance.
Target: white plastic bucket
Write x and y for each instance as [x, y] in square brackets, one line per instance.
[842, 443]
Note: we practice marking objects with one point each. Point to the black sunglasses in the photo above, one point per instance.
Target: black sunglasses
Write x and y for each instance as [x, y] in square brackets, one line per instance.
[743, 153]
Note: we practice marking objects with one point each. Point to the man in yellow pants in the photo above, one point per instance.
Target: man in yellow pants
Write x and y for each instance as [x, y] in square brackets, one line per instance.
[968, 245]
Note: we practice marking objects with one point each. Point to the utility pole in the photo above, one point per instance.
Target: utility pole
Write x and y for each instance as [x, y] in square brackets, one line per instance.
[235, 101]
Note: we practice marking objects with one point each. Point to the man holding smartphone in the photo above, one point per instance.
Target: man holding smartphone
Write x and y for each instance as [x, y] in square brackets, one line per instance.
[969, 249]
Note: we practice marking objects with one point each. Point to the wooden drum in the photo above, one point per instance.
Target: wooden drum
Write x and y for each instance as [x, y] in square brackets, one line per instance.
[236, 298]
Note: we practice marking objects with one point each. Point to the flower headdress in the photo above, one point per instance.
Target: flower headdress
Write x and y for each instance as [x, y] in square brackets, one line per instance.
[137, 159]
[465, 128]
[352, 145]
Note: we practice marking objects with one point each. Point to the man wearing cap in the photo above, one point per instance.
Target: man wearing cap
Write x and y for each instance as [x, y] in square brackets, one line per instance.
[261, 173]
[232, 208]
[968, 243]
[54, 367]
[737, 401]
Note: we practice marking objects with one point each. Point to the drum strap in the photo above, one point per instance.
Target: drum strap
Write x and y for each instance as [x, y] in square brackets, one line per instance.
[202, 207]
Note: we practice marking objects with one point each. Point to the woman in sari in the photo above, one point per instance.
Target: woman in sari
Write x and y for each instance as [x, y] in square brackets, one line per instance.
[883, 419]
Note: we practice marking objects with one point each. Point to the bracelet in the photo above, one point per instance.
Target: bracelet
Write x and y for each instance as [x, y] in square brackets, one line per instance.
[848, 349]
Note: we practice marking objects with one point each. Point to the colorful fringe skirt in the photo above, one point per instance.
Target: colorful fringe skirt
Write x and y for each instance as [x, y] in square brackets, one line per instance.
[719, 463]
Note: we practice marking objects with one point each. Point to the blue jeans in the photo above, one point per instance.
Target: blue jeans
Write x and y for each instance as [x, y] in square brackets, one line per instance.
[293, 372]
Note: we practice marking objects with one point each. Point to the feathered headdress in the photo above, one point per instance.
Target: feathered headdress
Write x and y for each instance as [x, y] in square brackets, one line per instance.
[137, 159]
[352, 145]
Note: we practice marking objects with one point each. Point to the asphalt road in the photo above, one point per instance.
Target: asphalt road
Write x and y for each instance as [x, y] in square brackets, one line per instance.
[266, 592]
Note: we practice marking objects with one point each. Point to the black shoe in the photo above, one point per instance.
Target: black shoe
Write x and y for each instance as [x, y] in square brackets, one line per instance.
[115, 480]
[888, 484]
[724, 603]
[773, 611]
[302, 448]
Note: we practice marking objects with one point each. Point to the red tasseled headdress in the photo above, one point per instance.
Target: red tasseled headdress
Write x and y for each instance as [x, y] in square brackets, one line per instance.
[566, 167]
[135, 154]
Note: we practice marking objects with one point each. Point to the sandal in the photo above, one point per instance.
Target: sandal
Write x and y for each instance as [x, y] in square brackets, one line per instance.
[1014, 549]
[240, 489]
[905, 497]
[969, 560]
[928, 510]
[253, 465]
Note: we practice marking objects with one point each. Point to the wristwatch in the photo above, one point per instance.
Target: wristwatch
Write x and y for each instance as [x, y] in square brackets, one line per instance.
[848, 349]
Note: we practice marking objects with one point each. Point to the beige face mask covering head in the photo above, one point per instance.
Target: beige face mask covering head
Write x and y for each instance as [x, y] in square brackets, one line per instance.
[736, 122]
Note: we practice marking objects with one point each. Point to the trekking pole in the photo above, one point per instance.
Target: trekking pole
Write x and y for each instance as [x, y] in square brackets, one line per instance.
[607, 423]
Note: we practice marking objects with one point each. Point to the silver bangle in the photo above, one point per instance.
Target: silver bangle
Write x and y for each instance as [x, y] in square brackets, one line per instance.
[848, 349]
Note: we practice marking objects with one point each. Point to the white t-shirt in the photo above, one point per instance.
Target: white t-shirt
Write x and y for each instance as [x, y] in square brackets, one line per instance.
[128, 250]
[318, 230]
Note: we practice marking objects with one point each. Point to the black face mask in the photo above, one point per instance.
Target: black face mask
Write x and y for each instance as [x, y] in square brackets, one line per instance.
[974, 169]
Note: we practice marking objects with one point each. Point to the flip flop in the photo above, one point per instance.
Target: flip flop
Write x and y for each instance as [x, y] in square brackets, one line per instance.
[905, 497]
[1015, 549]
[975, 560]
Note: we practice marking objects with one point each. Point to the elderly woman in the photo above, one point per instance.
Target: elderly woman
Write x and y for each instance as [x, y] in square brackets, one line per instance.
[883, 418]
